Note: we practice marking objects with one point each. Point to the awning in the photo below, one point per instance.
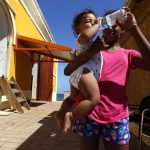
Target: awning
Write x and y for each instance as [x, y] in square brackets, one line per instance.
[49, 49]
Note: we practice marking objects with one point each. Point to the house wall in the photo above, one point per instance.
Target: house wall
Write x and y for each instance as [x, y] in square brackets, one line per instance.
[24, 24]
[21, 64]
[139, 81]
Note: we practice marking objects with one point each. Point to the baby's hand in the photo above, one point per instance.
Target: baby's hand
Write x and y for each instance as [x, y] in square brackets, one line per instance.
[97, 21]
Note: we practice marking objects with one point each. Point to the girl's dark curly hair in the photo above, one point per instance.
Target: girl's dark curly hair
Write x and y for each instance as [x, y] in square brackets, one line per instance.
[77, 19]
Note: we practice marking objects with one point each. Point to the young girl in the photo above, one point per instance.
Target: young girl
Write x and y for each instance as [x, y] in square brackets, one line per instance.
[84, 78]
[109, 118]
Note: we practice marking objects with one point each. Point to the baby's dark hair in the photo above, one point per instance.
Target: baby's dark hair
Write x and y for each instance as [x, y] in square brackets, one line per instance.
[77, 18]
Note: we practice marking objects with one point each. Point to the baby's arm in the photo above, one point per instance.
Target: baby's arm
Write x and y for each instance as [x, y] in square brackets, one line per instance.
[89, 33]
[98, 45]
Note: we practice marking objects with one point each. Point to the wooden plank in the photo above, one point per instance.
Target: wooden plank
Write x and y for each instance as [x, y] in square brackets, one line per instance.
[43, 48]
[20, 99]
[42, 43]
[11, 82]
[24, 103]
[10, 95]
[15, 91]
[14, 94]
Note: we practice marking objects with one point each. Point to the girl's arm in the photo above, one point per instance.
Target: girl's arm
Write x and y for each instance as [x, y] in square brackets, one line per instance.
[143, 60]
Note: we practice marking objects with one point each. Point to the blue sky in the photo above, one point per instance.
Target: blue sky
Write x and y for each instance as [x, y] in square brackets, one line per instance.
[59, 14]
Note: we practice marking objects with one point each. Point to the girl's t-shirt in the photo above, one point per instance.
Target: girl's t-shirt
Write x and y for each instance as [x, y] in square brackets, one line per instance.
[113, 104]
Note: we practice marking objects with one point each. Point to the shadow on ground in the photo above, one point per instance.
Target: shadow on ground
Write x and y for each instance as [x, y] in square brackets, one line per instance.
[35, 103]
[47, 137]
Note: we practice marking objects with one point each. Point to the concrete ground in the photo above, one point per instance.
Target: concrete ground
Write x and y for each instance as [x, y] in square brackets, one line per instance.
[36, 130]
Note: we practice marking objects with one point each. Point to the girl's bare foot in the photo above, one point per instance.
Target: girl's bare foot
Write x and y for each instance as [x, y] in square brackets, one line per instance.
[67, 122]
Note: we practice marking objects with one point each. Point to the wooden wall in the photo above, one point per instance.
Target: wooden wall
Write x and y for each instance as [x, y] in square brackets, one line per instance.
[139, 81]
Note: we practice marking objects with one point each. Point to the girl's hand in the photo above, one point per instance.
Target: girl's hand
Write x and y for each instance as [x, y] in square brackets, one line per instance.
[130, 21]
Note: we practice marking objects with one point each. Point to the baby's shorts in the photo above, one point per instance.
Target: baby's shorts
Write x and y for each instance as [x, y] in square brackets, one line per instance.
[116, 132]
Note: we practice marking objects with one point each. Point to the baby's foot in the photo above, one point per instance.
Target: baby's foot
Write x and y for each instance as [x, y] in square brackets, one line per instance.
[67, 122]
[59, 120]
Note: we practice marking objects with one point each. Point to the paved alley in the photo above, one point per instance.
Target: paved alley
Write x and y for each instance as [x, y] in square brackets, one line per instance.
[36, 130]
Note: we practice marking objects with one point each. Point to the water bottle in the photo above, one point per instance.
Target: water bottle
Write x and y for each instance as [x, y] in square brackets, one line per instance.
[110, 20]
